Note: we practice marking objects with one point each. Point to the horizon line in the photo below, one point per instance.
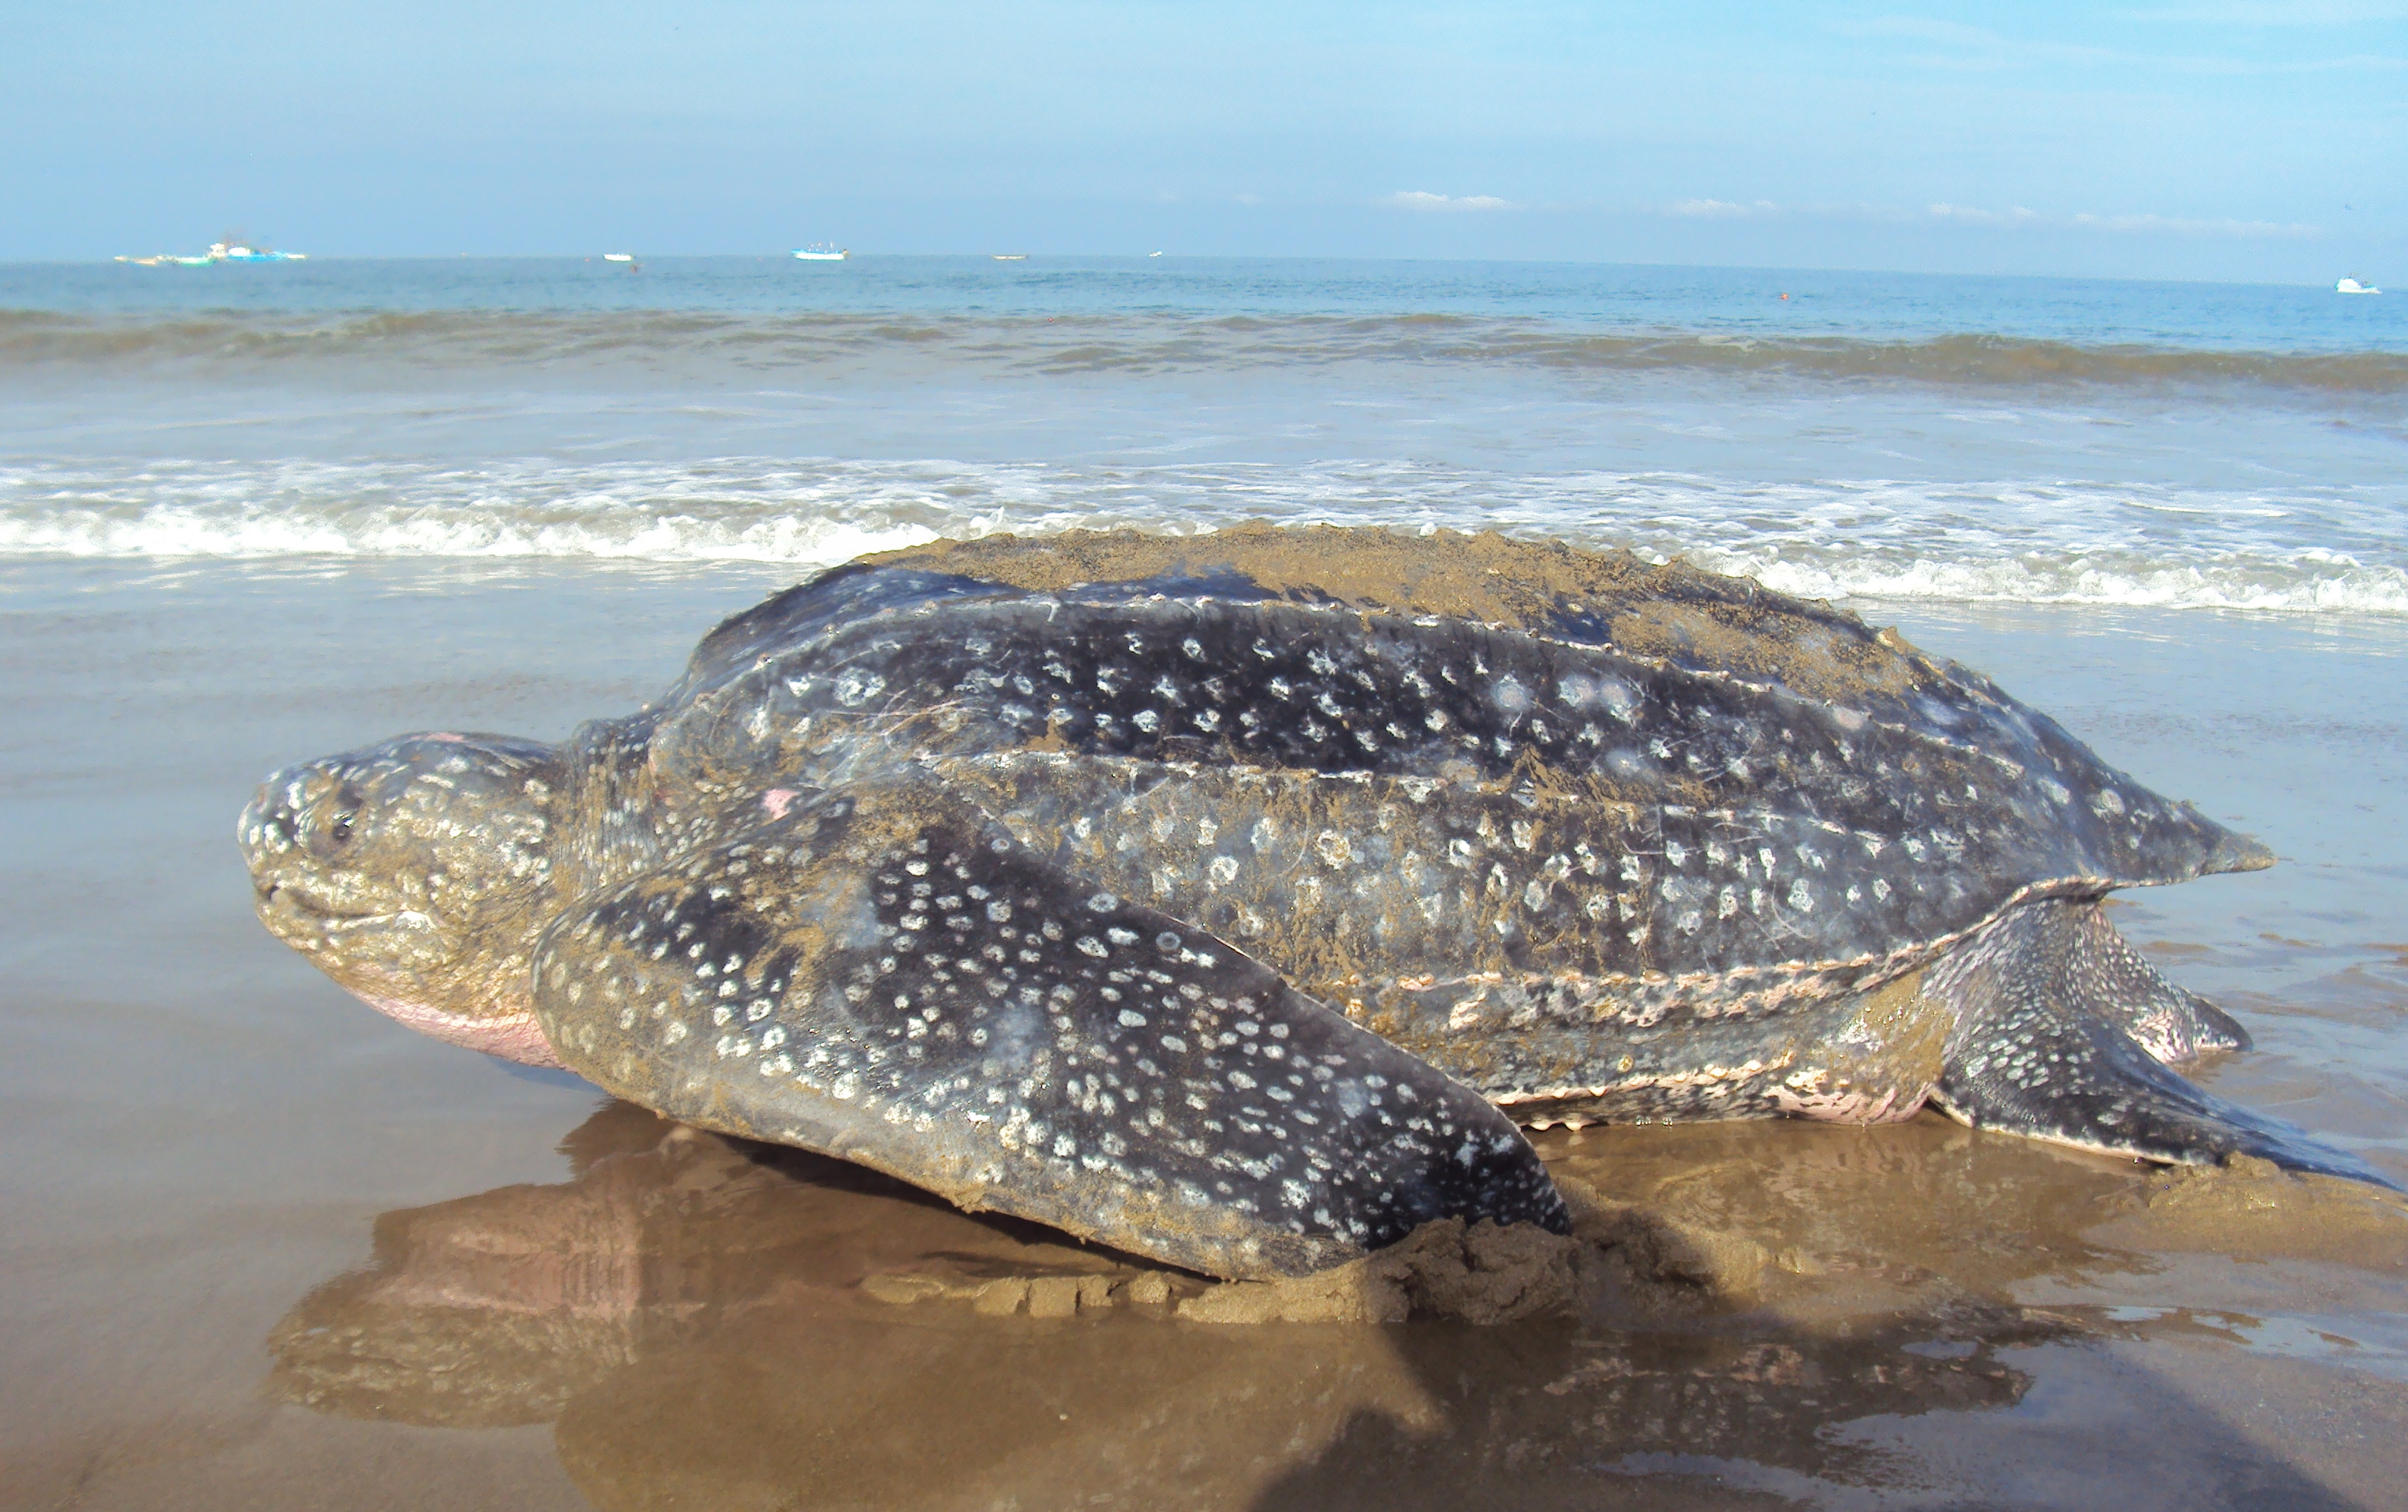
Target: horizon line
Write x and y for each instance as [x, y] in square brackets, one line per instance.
[119, 259]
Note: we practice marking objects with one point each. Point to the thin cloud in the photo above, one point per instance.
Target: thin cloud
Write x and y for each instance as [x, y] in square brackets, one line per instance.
[2176, 226]
[2014, 217]
[1422, 199]
[1968, 215]
[1722, 208]
[2276, 13]
[1976, 46]
[2124, 225]
[1978, 49]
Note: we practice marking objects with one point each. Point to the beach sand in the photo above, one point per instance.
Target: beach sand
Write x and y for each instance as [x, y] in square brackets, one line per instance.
[264, 1248]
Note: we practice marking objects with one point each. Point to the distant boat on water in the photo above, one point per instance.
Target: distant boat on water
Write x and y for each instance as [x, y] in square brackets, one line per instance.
[820, 251]
[219, 252]
[1011, 257]
[618, 257]
[2351, 286]
[224, 254]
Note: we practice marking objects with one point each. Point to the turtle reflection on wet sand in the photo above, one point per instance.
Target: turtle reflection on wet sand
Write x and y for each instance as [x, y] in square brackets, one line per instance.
[1230, 900]
[702, 1321]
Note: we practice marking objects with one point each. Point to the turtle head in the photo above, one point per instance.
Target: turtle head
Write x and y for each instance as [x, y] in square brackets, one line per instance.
[418, 875]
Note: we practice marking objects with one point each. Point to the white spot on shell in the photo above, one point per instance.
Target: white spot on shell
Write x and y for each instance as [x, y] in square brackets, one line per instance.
[857, 686]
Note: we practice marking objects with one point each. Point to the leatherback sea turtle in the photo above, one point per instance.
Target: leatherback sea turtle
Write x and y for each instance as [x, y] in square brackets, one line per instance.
[1230, 899]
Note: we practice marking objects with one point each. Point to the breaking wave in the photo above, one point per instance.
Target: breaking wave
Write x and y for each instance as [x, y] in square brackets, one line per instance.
[2313, 551]
[229, 342]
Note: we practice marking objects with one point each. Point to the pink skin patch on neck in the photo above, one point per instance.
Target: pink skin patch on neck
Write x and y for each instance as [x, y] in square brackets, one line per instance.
[777, 801]
[513, 1036]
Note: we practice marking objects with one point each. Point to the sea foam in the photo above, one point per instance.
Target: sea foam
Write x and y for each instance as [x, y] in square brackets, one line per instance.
[2302, 549]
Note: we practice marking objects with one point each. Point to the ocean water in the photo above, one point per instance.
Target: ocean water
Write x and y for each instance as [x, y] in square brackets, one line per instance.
[1946, 438]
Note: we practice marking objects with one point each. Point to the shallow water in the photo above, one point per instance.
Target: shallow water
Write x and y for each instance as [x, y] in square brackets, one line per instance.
[265, 1249]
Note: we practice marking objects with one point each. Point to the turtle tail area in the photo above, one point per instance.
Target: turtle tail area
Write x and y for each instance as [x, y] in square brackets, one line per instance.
[2063, 1032]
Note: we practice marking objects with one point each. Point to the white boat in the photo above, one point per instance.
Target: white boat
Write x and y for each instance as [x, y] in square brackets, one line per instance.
[219, 252]
[618, 257]
[2351, 286]
[1010, 257]
[820, 251]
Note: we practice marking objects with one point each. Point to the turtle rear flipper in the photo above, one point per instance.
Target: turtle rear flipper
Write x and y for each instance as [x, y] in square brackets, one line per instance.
[2057, 1018]
[885, 977]
[2111, 980]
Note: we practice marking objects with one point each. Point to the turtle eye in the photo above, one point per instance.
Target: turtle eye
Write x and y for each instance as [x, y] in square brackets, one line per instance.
[328, 830]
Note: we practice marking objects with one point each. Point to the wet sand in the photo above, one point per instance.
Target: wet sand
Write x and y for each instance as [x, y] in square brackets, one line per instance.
[265, 1248]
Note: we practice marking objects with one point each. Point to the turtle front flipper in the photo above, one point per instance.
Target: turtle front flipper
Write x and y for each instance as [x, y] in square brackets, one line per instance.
[2057, 1023]
[885, 978]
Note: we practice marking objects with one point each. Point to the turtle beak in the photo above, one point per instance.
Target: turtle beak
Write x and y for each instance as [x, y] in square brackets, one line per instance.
[262, 830]
[274, 833]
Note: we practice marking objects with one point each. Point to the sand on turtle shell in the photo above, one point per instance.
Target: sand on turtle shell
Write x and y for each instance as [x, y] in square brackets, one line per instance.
[1672, 611]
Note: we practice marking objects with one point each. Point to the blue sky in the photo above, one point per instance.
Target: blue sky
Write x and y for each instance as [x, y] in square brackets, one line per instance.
[2249, 140]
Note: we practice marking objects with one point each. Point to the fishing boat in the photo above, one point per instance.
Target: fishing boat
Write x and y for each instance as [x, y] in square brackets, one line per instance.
[2351, 286]
[820, 251]
[219, 252]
